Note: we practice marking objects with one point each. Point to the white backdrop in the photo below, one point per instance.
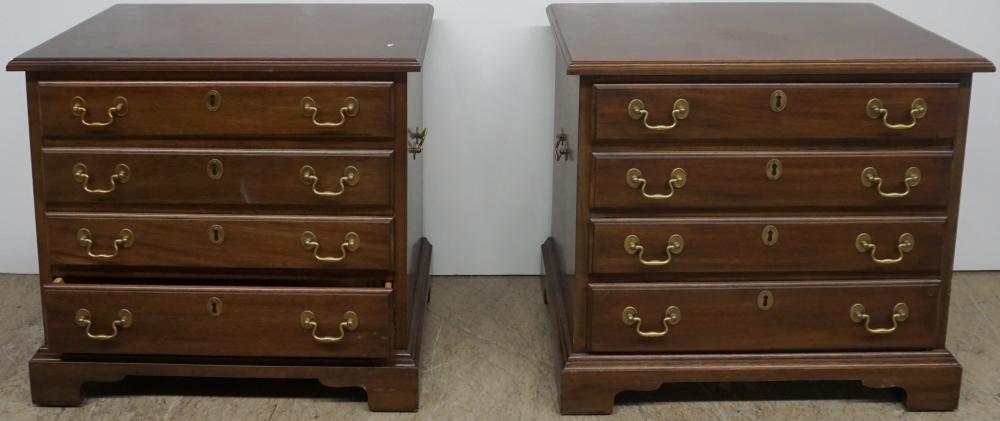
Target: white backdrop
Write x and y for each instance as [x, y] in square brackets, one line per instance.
[488, 103]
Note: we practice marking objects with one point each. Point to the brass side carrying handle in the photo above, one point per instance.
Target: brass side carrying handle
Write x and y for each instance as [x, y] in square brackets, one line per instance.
[119, 109]
[678, 178]
[119, 176]
[351, 108]
[671, 317]
[352, 242]
[864, 244]
[125, 240]
[875, 110]
[675, 245]
[415, 144]
[900, 312]
[870, 178]
[637, 110]
[123, 321]
[352, 176]
[308, 321]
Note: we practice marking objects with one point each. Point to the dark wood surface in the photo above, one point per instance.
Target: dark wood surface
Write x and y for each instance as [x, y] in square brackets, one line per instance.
[726, 60]
[250, 179]
[253, 322]
[724, 317]
[247, 109]
[742, 111]
[257, 37]
[752, 38]
[250, 242]
[722, 179]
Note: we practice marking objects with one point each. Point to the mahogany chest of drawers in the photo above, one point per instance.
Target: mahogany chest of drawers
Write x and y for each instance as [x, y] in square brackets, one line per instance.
[754, 192]
[231, 191]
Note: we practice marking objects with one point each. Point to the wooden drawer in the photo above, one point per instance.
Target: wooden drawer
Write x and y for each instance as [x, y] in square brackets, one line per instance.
[717, 180]
[218, 177]
[835, 111]
[251, 242]
[798, 244]
[244, 109]
[217, 321]
[809, 316]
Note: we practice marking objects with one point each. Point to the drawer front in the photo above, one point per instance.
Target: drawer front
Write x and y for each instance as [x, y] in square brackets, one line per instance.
[743, 111]
[679, 180]
[251, 109]
[250, 322]
[220, 241]
[217, 177]
[795, 244]
[810, 316]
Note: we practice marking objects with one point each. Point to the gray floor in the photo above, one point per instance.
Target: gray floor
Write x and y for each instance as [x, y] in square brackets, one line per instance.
[488, 355]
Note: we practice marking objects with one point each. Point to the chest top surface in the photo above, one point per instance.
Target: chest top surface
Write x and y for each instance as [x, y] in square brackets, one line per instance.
[750, 38]
[246, 37]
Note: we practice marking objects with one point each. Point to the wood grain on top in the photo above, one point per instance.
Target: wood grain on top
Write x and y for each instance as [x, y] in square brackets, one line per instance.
[750, 38]
[252, 37]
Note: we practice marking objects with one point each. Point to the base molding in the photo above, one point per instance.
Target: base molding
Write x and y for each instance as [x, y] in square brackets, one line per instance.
[588, 383]
[391, 385]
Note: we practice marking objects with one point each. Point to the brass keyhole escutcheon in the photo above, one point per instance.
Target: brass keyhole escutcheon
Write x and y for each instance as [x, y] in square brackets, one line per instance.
[215, 306]
[214, 169]
[779, 100]
[216, 234]
[213, 100]
[773, 169]
[765, 300]
[769, 235]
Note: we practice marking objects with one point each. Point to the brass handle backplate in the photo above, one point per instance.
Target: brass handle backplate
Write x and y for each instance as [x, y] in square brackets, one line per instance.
[875, 110]
[123, 321]
[671, 317]
[119, 109]
[870, 178]
[125, 240]
[415, 144]
[900, 312]
[675, 245]
[352, 176]
[864, 244]
[351, 108]
[637, 111]
[308, 321]
[119, 176]
[678, 178]
[352, 242]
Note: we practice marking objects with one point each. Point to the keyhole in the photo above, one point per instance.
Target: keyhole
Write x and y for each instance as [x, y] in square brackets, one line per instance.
[216, 234]
[764, 301]
[214, 306]
[778, 101]
[770, 235]
[213, 100]
[773, 169]
[214, 169]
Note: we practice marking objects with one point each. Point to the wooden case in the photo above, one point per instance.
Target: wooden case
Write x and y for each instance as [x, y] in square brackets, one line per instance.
[231, 190]
[779, 205]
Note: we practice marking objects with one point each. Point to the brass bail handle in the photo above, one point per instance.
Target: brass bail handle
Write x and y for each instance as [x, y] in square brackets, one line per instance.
[308, 321]
[121, 175]
[351, 177]
[876, 110]
[900, 312]
[675, 245]
[125, 240]
[123, 321]
[634, 179]
[415, 144]
[118, 109]
[870, 178]
[351, 108]
[671, 317]
[352, 242]
[863, 243]
[637, 111]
